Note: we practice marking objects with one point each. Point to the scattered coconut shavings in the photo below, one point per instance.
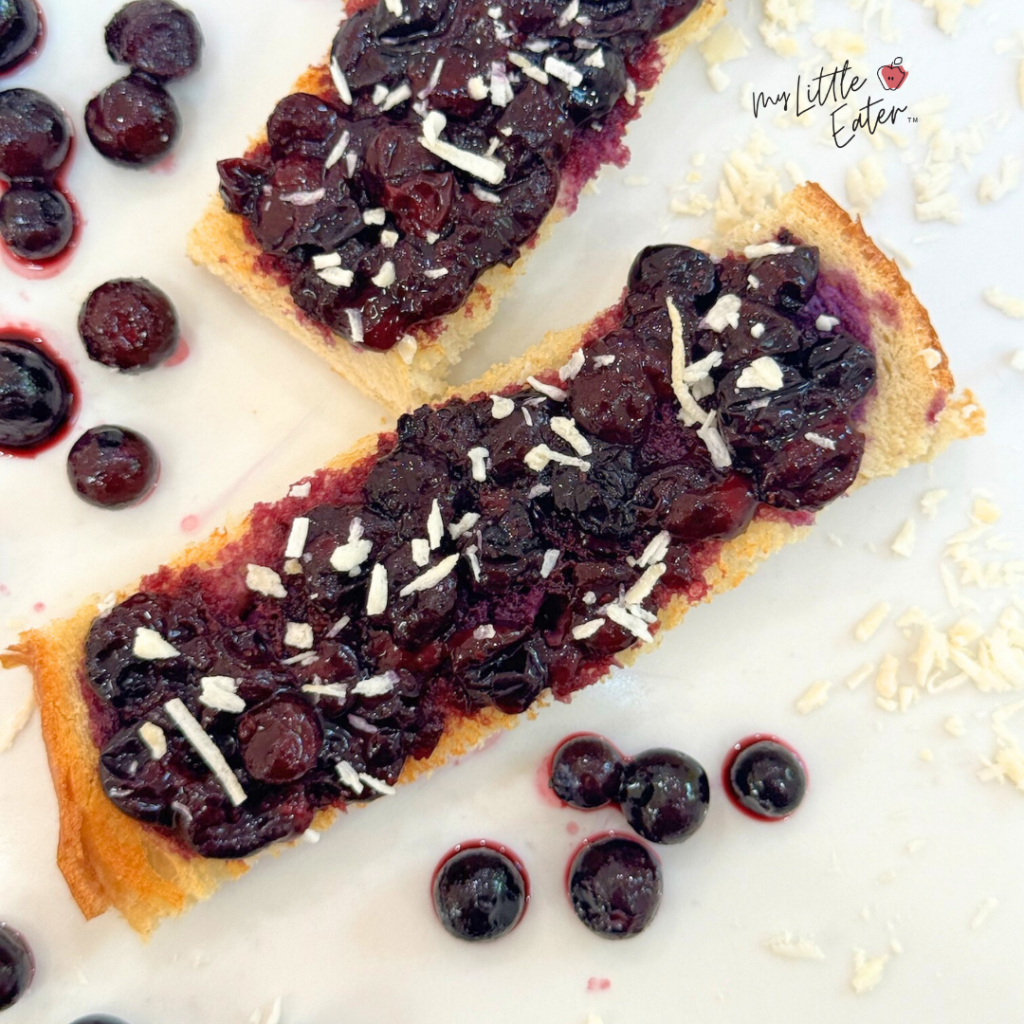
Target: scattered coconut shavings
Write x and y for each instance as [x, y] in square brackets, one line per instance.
[377, 592]
[220, 693]
[630, 621]
[430, 578]
[16, 723]
[991, 189]
[794, 947]
[206, 749]
[271, 1012]
[1008, 304]
[726, 43]
[763, 373]
[947, 13]
[262, 580]
[813, 697]
[905, 540]
[954, 726]
[538, 457]
[860, 675]
[931, 500]
[865, 184]
[981, 915]
[841, 44]
[885, 682]
[585, 630]
[149, 645]
[709, 433]
[376, 686]
[548, 390]
[486, 168]
[566, 429]
[867, 971]
[868, 626]
[724, 313]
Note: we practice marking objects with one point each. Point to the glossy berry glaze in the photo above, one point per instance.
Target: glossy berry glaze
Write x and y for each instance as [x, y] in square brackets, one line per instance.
[340, 174]
[21, 33]
[480, 891]
[128, 324]
[586, 772]
[37, 215]
[540, 574]
[17, 966]
[37, 397]
[112, 467]
[615, 885]
[765, 777]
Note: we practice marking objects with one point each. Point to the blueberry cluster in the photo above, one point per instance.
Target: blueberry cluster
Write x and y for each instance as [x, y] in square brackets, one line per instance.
[37, 221]
[135, 122]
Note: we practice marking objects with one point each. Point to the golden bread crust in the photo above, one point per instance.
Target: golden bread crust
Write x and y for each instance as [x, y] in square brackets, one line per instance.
[218, 243]
[110, 860]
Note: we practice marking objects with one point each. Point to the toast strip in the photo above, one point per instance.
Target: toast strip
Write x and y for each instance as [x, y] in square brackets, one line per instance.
[218, 243]
[111, 860]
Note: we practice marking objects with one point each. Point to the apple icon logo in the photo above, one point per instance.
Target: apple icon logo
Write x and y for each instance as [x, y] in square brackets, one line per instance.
[893, 75]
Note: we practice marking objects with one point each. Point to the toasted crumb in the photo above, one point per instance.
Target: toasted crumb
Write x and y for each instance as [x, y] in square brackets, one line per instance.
[867, 971]
[794, 947]
[868, 626]
[813, 697]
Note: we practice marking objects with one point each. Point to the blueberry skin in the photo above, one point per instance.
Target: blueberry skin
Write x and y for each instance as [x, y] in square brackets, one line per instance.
[665, 795]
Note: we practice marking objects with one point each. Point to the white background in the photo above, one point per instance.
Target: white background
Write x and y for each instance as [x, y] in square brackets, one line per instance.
[343, 930]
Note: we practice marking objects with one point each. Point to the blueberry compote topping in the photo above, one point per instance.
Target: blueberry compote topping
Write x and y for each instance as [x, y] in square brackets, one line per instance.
[615, 886]
[157, 37]
[34, 135]
[765, 777]
[133, 122]
[17, 966]
[665, 795]
[20, 28]
[435, 148]
[112, 467]
[128, 324]
[480, 892]
[489, 550]
[35, 395]
[586, 772]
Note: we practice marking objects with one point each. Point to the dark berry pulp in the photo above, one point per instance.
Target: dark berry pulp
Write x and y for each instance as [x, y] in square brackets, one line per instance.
[765, 777]
[36, 396]
[665, 795]
[112, 467]
[128, 324]
[480, 891]
[20, 29]
[586, 772]
[424, 585]
[615, 886]
[17, 966]
[344, 174]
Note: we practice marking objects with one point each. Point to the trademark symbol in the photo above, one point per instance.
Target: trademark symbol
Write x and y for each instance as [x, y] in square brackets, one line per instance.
[912, 120]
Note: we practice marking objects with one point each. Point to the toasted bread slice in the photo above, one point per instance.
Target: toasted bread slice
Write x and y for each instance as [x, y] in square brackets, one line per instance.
[398, 379]
[111, 860]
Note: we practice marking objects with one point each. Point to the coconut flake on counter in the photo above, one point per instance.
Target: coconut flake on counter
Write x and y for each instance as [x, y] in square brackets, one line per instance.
[155, 740]
[206, 749]
[814, 697]
[867, 971]
[377, 592]
[149, 645]
[431, 578]
[763, 373]
[220, 694]
[1007, 304]
[794, 947]
[905, 539]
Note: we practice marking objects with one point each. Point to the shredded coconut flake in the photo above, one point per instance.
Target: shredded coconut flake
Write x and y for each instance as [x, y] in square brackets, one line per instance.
[566, 428]
[303, 198]
[435, 525]
[547, 566]
[502, 406]
[563, 71]
[376, 686]
[149, 645]
[724, 313]
[630, 622]
[537, 459]
[813, 697]
[549, 390]
[262, 580]
[1007, 304]
[206, 749]
[486, 168]
[763, 373]
[430, 578]
[710, 435]
[905, 539]
[826, 323]
[297, 538]
[351, 555]
[349, 777]
[754, 252]
[478, 463]
[821, 441]
[155, 740]
[377, 592]
[867, 972]
[378, 785]
[341, 83]
[794, 947]
[338, 151]
[219, 693]
[585, 630]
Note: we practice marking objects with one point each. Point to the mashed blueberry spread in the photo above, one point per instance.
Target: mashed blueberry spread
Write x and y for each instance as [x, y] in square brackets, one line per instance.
[488, 550]
[443, 133]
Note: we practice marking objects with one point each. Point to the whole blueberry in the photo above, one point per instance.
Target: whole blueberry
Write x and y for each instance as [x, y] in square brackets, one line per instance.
[134, 122]
[17, 966]
[34, 135]
[665, 795]
[128, 324]
[112, 467]
[19, 30]
[586, 772]
[36, 223]
[615, 886]
[157, 37]
[479, 894]
[768, 779]
[35, 395]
